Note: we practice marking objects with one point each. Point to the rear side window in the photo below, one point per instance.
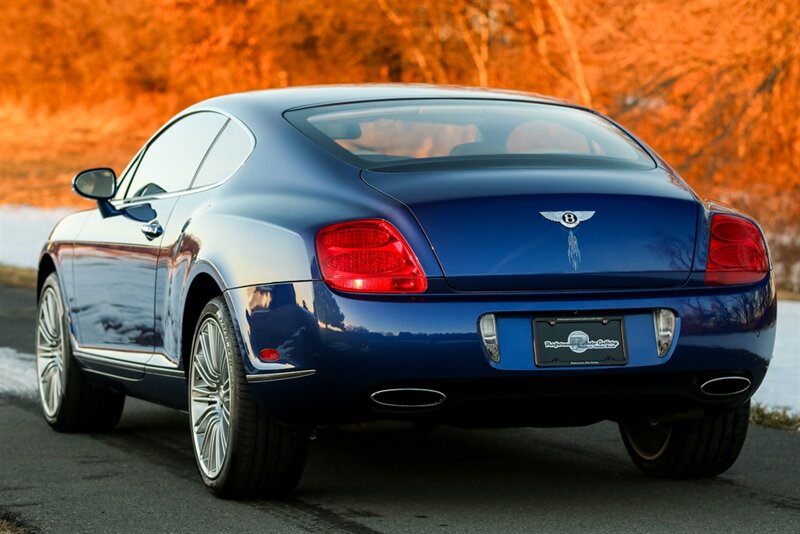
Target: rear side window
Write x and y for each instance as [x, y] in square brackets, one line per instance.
[227, 154]
[459, 133]
[172, 158]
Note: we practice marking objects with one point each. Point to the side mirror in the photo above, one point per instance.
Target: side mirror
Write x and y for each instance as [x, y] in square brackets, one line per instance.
[101, 185]
[96, 184]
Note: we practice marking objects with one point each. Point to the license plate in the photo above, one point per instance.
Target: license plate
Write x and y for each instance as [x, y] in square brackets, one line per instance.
[573, 341]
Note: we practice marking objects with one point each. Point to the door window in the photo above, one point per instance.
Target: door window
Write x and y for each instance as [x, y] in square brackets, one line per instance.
[230, 150]
[172, 158]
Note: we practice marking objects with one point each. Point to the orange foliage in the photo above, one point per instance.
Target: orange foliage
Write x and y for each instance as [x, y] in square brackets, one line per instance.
[713, 85]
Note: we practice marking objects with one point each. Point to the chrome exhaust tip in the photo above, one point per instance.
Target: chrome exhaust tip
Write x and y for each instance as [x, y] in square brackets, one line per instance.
[408, 398]
[725, 386]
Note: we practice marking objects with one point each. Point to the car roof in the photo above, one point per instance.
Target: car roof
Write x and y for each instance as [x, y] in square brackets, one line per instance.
[280, 100]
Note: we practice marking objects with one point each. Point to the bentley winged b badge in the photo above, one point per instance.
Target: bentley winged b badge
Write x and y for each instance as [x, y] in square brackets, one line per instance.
[570, 220]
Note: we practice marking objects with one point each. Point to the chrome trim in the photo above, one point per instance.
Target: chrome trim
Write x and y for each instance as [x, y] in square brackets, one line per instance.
[164, 371]
[442, 396]
[152, 230]
[105, 360]
[125, 203]
[727, 394]
[111, 375]
[269, 377]
[136, 357]
[122, 360]
[162, 360]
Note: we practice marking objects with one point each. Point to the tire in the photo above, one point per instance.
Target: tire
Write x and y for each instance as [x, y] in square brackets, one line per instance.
[69, 402]
[689, 449]
[252, 455]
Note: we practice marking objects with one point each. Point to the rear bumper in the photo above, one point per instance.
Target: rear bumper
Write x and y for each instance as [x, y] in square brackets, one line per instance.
[356, 346]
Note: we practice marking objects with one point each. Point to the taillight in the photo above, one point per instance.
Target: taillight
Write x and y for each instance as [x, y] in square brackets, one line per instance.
[736, 252]
[368, 256]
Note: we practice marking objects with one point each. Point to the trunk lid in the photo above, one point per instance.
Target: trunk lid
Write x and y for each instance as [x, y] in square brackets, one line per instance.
[487, 229]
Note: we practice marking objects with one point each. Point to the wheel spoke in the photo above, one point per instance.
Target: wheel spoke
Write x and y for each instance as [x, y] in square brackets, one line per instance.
[45, 323]
[53, 393]
[211, 344]
[224, 438]
[201, 367]
[46, 386]
[47, 337]
[205, 447]
[219, 351]
[218, 447]
[202, 424]
[212, 447]
[209, 356]
[203, 396]
[44, 314]
[52, 316]
[50, 368]
[209, 447]
[48, 353]
[56, 386]
[226, 415]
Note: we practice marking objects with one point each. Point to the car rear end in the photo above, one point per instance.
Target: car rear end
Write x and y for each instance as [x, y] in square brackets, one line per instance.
[549, 272]
[483, 374]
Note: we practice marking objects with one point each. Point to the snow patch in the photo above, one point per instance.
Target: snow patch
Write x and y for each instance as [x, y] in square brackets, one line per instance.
[23, 232]
[781, 387]
[17, 373]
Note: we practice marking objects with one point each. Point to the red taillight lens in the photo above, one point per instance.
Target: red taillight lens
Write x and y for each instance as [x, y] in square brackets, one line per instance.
[736, 252]
[368, 256]
[269, 355]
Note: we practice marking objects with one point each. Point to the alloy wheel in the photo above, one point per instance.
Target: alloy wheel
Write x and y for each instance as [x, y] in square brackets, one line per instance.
[210, 399]
[649, 439]
[50, 351]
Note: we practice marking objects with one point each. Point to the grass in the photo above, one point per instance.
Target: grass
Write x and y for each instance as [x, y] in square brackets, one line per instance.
[9, 528]
[17, 276]
[777, 418]
[11, 524]
[788, 295]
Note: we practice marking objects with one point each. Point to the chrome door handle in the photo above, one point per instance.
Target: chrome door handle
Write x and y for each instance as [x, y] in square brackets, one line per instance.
[152, 230]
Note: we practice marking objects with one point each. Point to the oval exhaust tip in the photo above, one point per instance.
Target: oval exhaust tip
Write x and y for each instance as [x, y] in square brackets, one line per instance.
[408, 398]
[725, 386]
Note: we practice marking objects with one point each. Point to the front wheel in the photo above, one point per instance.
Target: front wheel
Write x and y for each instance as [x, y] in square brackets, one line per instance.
[69, 402]
[704, 447]
[239, 451]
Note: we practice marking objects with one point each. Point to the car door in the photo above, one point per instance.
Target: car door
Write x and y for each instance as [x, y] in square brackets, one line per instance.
[116, 257]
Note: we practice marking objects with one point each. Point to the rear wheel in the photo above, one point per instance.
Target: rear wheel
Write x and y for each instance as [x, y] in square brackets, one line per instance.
[69, 402]
[240, 452]
[688, 449]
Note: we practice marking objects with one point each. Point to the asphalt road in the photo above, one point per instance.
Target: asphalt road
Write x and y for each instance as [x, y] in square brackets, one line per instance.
[142, 478]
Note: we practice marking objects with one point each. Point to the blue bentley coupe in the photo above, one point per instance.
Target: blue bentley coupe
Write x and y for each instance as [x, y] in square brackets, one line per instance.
[279, 261]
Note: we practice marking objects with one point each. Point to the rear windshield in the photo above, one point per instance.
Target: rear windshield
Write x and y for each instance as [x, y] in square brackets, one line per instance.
[398, 134]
